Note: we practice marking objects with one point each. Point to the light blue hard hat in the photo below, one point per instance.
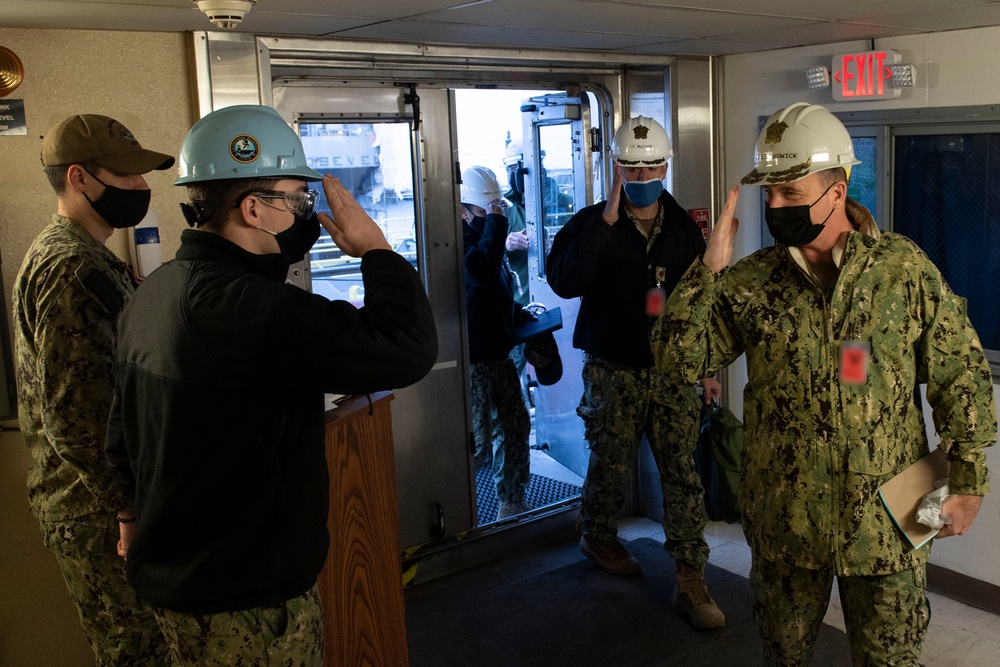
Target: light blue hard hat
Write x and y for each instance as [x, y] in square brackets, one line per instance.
[243, 141]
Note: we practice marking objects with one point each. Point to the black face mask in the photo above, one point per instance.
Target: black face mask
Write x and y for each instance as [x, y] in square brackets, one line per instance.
[792, 225]
[120, 208]
[296, 241]
[478, 222]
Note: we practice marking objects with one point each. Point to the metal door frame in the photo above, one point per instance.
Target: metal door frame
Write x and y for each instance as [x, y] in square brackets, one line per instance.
[240, 68]
[558, 427]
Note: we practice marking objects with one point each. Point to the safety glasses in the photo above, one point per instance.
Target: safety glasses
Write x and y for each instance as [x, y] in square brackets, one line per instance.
[299, 203]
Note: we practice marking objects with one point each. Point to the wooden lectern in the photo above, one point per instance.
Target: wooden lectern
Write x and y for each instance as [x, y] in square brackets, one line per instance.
[361, 585]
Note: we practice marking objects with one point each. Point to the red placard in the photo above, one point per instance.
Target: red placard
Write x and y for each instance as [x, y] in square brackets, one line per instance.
[700, 215]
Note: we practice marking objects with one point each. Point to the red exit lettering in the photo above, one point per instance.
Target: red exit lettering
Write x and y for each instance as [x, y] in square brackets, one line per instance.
[863, 75]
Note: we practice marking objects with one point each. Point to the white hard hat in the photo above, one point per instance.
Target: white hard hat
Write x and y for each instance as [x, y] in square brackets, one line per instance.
[641, 142]
[479, 186]
[514, 154]
[799, 140]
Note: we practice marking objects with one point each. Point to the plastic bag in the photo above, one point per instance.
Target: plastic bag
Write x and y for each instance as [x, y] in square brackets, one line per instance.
[717, 460]
[929, 511]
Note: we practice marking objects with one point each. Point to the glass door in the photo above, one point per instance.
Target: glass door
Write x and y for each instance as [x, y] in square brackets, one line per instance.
[558, 158]
[400, 170]
[374, 162]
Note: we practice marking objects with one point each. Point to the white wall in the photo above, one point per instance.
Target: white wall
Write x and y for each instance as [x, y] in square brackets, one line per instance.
[954, 68]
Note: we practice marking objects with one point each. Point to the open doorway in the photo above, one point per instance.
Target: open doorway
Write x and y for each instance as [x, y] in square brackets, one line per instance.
[491, 134]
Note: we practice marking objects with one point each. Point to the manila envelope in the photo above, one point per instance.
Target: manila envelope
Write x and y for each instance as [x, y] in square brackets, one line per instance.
[902, 494]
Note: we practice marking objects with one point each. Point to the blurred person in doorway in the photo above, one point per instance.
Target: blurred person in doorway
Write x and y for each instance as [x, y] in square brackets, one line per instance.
[500, 420]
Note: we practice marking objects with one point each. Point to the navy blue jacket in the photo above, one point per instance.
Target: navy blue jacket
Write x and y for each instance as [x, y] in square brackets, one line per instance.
[607, 266]
[489, 289]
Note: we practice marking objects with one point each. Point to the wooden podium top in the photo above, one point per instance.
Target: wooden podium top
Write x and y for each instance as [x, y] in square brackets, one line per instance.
[351, 404]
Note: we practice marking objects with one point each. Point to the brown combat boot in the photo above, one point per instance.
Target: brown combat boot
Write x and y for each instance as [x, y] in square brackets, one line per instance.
[691, 598]
[612, 557]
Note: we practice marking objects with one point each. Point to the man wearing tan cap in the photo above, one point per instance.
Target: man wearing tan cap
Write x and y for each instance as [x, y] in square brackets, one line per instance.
[67, 298]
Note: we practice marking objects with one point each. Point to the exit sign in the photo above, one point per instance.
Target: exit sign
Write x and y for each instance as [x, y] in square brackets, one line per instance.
[863, 76]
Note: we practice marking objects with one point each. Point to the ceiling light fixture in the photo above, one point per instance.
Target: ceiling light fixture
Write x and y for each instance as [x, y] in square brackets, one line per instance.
[225, 14]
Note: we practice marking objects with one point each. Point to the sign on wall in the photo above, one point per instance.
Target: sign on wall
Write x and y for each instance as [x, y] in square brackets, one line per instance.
[864, 76]
[12, 117]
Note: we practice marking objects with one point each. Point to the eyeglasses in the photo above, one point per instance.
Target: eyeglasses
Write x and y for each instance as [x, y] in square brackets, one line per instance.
[299, 203]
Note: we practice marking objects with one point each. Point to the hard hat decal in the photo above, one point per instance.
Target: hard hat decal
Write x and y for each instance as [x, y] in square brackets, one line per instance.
[641, 131]
[244, 148]
[774, 132]
[793, 173]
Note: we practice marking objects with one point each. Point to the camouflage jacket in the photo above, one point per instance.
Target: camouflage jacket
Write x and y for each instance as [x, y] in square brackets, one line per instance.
[67, 298]
[816, 449]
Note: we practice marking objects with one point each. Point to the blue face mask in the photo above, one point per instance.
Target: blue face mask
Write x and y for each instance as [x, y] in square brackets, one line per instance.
[644, 193]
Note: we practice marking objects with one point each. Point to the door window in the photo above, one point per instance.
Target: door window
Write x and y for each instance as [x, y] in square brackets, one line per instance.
[374, 161]
[556, 173]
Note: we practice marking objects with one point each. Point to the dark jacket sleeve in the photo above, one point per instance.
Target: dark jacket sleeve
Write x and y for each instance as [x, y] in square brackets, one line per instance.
[390, 342]
[116, 454]
[576, 251]
[484, 256]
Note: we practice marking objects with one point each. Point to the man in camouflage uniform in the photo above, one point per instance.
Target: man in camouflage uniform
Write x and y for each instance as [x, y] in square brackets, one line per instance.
[622, 257]
[840, 324]
[67, 298]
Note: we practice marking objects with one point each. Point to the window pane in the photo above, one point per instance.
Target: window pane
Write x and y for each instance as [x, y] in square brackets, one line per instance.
[374, 162]
[557, 185]
[945, 199]
[862, 185]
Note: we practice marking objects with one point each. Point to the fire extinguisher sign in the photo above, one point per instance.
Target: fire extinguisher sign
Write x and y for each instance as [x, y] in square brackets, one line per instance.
[700, 215]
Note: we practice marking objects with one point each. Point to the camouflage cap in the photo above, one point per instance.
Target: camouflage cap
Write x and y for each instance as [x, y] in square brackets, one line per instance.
[95, 138]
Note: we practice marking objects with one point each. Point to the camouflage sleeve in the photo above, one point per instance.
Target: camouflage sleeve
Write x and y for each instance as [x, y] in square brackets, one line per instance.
[959, 384]
[75, 342]
[696, 335]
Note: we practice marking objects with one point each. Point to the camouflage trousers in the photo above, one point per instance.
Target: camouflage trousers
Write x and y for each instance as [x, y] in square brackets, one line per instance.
[501, 426]
[521, 364]
[619, 405]
[886, 616]
[121, 629]
[289, 634]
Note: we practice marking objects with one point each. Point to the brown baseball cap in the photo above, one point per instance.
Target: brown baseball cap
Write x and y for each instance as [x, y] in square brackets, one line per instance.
[91, 137]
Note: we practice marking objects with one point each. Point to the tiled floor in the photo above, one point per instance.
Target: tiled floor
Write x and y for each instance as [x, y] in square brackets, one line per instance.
[959, 635]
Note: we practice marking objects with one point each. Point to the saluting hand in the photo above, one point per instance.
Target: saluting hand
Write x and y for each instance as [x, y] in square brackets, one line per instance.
[720, 243]
[353, 230]
[610, 214]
